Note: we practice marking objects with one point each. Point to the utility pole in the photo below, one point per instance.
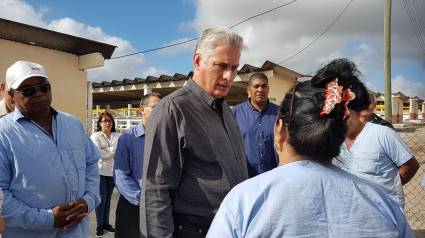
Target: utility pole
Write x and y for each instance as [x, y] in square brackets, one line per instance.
[387, 61]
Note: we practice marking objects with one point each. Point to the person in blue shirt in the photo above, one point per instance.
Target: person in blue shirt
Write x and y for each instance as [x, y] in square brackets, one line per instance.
[48, 165]
[128, 171]
[307, 196]
[256, 118]
[371, 151]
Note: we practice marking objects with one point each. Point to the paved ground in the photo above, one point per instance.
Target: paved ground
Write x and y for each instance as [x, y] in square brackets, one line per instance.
[92, 217]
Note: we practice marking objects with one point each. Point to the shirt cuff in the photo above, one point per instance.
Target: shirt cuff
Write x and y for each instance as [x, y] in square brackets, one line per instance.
[90, 203]
[50, 219]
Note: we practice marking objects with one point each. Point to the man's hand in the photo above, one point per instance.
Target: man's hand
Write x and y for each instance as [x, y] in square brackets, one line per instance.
[60, 213]
[69, 214]
[77, 213]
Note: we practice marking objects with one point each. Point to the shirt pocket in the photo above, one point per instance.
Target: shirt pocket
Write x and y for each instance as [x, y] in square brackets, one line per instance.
[367, 163]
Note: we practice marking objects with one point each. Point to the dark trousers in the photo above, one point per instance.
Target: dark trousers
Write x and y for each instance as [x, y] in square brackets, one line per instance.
[105, 190]
[127, 219]
[189, 226]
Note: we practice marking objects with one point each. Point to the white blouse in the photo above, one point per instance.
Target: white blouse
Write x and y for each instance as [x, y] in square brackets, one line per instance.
[107, 149]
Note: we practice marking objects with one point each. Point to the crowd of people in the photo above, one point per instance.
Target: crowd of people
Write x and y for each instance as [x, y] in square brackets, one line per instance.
[321, 164]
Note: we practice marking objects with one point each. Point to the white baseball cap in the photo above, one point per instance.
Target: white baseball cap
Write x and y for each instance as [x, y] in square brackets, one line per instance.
[22, 70]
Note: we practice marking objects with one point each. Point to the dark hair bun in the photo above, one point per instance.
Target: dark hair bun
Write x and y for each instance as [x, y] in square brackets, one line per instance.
[344, 70]
[309, 133]
[348, 76]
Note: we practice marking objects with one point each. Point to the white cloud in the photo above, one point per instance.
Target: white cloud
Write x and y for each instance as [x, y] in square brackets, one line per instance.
[366, 59]
[183, 48]
[20, 11]
[283, 32]
[129, 67]
[408, 87]
[152, 71]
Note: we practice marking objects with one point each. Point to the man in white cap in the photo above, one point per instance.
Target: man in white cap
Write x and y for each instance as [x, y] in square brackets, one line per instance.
[48, 165]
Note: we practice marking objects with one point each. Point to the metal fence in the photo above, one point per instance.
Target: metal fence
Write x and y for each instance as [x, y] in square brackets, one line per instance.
[414, 192]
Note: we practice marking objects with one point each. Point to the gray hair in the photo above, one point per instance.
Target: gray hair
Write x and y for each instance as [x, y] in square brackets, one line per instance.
[218, 35]
[145, 98]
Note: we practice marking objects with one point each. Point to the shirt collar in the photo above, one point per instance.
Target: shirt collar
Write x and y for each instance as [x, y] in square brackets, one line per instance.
[198, 91]
[255, 109]
[17, 114]
[139, 130]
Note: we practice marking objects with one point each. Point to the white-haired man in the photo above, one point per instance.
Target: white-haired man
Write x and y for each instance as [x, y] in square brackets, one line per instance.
[194, 152]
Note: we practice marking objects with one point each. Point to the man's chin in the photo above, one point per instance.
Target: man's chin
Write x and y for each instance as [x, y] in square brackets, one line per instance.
[220, 93]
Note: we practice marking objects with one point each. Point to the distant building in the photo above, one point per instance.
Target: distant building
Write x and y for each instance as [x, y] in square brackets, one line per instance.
[122, 97]
[65, 58]
[404, 108]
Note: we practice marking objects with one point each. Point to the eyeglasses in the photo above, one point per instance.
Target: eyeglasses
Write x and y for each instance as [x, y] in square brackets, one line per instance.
[30, 91]
[106, 121]
[256, 86]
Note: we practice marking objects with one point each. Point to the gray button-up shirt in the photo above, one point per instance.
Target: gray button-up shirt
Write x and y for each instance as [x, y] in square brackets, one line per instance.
[193, 157]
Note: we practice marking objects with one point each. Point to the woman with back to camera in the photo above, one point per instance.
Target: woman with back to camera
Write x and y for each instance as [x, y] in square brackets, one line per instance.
[106, 139]
[307, 196]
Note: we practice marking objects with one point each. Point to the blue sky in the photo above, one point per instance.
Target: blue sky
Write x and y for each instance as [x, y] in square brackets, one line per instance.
[141, 25]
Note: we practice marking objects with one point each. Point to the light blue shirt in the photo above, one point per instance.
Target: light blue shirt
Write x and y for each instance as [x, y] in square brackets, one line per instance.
[308, 199]
[128, 164]
[39, 171]
[376, 155]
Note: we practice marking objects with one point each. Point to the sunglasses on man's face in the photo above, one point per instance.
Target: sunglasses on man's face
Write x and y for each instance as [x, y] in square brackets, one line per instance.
[30, 91]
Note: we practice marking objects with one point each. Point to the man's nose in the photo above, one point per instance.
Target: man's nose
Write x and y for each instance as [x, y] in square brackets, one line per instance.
[228, 74]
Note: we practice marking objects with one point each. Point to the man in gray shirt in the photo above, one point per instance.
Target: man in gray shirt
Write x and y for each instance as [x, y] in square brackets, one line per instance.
[194, 152]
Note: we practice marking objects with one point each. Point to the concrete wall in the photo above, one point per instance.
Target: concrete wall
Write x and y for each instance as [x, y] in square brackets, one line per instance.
[397, 110]
[69, 86]
[413, 108]
[279, 86]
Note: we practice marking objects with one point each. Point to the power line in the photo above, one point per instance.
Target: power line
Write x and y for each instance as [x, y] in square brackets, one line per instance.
[193, 39]
[155, 49]
[320, 35]
[416, 26]
[263, 13]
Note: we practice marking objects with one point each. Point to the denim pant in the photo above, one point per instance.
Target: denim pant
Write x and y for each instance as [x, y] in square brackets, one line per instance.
[105, 190]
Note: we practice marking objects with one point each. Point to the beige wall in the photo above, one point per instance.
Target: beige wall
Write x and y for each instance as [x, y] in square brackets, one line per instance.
[279, 86]
[279, 83]
[68, 83]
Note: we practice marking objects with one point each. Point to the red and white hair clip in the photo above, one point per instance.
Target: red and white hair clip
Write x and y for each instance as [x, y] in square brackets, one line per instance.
[335, 94]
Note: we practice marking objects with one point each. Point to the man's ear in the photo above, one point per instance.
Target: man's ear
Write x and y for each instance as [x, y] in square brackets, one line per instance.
[197, 61]
[142, 110]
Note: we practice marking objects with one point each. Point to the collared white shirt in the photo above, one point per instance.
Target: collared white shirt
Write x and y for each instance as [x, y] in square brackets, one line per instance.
[107, 149]
[3, 109]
